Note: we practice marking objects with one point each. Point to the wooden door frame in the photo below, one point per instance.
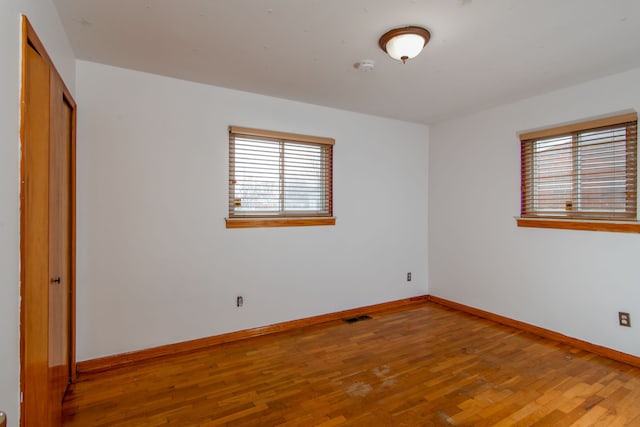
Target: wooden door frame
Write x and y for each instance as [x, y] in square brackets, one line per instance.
[31, 39]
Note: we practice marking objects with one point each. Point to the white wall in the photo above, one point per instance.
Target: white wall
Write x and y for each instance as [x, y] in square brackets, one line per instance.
[45, 21]
[156, 264]
[573, 282]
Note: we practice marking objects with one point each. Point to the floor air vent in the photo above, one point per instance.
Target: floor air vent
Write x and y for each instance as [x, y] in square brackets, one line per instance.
[357, 319]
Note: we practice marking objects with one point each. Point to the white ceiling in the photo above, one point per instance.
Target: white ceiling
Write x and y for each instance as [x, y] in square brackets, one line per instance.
[481, 53]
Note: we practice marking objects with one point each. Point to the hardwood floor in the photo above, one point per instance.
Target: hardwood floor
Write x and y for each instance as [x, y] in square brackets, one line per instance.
[424, 366]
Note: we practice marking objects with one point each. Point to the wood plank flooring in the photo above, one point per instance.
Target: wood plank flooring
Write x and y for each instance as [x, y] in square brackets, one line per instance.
[424, 366]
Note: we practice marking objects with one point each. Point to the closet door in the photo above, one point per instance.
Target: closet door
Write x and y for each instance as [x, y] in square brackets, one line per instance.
[47, 237]
[35, 241]
[60, 241]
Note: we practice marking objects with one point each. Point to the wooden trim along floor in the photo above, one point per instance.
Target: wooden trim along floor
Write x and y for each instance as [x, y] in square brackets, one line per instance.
[119, 360]
[545, 333]
[421, 364]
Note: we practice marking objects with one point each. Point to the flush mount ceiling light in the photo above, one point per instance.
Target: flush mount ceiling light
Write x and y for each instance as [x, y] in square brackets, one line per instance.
[404, 43]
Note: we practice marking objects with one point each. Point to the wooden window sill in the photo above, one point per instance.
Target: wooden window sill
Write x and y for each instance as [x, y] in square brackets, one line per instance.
[278, 222]
[576, 224]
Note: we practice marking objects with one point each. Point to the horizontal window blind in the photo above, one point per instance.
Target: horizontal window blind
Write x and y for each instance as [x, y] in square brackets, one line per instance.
[275, 174]
[581, 173]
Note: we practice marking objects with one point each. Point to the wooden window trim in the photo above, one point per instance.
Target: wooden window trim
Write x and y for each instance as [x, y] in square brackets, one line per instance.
[585, 225]
[577, 127]
[282, 135]
[278, 222]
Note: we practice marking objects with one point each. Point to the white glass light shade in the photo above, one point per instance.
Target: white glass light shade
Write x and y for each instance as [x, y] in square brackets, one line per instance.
[405, 46]
[404, 43]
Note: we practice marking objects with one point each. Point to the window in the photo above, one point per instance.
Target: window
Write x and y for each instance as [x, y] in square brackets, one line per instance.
[279, 179]
[582, 172]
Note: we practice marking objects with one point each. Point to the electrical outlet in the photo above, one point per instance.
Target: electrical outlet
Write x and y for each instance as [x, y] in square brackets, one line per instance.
[624, 319]
[408, 276]
[239, 301]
